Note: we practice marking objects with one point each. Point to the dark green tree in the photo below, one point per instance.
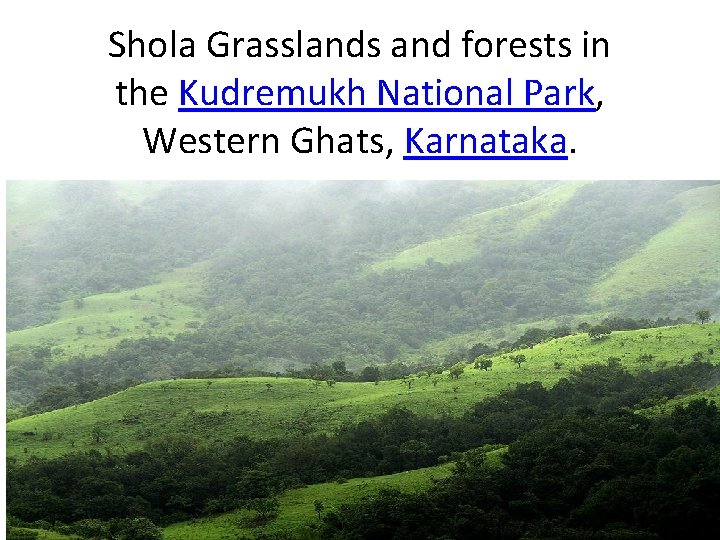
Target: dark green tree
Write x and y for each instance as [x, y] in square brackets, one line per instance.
[518, 359]
[484, 363]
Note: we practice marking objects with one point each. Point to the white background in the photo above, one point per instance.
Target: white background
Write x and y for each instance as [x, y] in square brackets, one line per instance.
[60, 119]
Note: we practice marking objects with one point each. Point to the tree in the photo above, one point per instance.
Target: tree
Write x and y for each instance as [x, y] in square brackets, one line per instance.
[614, 362]
[138, 528]
[702, 316]
[319, 508]
[266, 509]
[339, 368]
[598, 332]
[480, 349]
[457, 370]
[484, 363]
[518, 359]
[370, 374]
[97, 434]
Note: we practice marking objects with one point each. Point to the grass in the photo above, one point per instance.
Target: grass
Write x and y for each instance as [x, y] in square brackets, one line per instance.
[666, 407]
[435, 351]
[688, 249]
[161, 309]
[46, 535]
[297, 510]
[220, 409]
[485, 228]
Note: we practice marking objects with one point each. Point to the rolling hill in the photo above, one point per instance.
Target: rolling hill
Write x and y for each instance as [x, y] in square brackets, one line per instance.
[471, 235]
[261, 407]
[297, 509]
[687, 250]
[98, 322]
[154, 287]
[279, 276]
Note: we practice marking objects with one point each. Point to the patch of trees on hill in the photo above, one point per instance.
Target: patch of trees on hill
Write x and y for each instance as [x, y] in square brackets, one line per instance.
[98, 242]
[290, 286]
[598, 476]
[176, 477]
[36, 383]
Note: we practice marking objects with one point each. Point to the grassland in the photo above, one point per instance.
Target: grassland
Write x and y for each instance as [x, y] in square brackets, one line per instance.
[485, 228]
[221, 409]
[297, 509]
[436, 350]
[162, 309]
[688, 249]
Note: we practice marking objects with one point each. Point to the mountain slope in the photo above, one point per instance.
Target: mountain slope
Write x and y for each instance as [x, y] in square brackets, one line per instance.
[297, 509]
[687, 250]
[220, 409]
[95, 323]
[367, 273]
[491, 227]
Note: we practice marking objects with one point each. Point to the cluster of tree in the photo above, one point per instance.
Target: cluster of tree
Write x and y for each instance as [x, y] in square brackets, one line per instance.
[94, 240]
[176, 477]
[137, 528]
[64, 395]
[36, 383]
[534, 336]
[598, 476]
[285, 288]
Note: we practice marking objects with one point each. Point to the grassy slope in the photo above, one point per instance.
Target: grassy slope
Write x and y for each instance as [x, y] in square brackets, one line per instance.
[486, 227]
[297, 509]
[688, 249]
[223, 408]
[168, 305]
[711, 394]
[297, 505]
[436, 350]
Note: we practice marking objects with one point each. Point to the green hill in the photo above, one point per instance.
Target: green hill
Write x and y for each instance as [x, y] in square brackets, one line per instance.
[219, 409]
[278, 276]
[472, 234]
[297, 509]
[687, 250]
[97, 322]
